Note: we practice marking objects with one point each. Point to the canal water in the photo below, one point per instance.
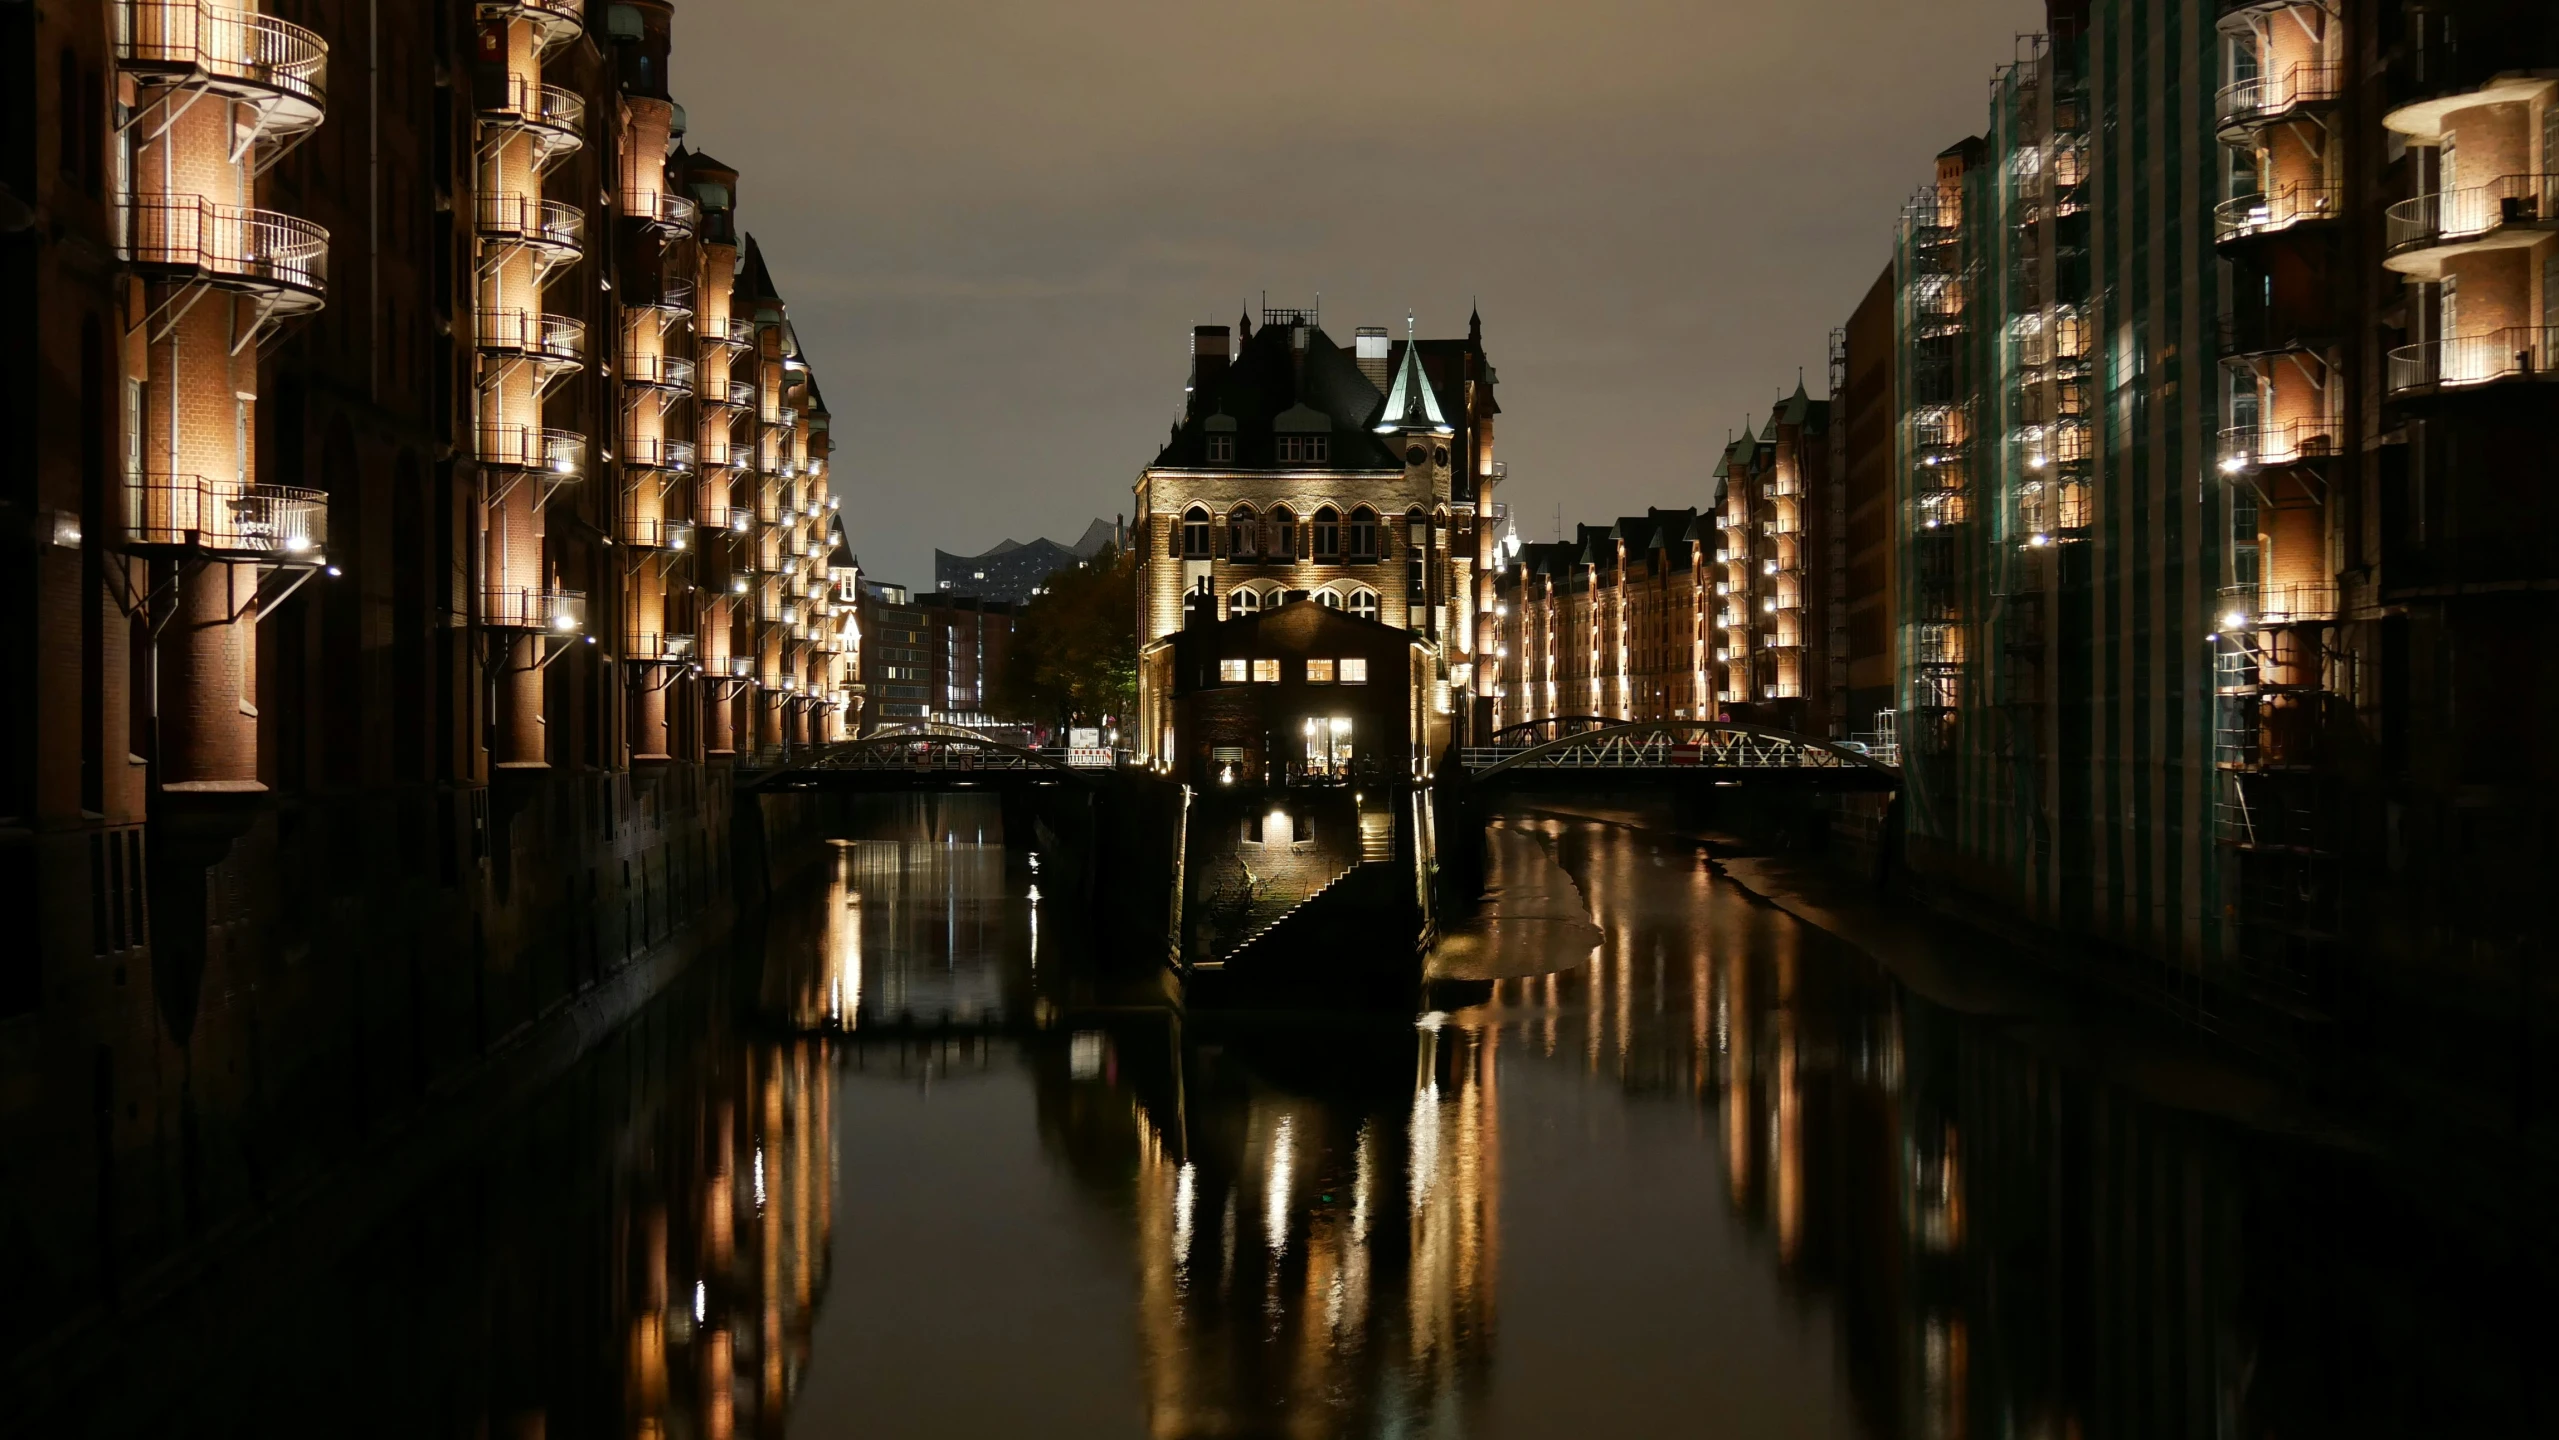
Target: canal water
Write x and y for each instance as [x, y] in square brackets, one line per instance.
[1676, 1164]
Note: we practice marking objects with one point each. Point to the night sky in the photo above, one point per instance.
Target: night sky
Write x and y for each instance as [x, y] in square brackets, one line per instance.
[996, 220]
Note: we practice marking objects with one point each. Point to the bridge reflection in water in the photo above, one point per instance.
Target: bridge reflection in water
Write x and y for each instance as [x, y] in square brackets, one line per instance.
[911, 1181]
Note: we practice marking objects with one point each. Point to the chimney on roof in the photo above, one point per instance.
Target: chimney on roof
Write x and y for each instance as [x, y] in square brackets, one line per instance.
[1209, 355]
[1373, 351]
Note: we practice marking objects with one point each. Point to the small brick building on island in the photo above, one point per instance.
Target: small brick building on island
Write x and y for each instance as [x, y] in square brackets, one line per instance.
[1300, 694]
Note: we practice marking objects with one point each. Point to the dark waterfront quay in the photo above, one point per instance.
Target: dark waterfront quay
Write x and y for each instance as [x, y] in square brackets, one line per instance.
[1712, 1170]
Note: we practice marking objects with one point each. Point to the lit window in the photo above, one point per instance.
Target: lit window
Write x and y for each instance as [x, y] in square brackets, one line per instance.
[1354, 670]
[1234, 672]
[1319, 672]
[1244, 602]
[1266, 672]
[1328, 534]
[1364, 604]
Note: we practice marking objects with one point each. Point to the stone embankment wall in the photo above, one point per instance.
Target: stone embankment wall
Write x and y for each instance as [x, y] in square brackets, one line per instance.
[236, 1006]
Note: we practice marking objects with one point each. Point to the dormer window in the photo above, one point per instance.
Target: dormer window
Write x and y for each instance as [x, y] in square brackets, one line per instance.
[1221, 449]
[1304, 435]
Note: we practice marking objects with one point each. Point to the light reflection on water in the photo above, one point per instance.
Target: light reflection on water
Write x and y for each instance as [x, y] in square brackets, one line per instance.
[1722, 1177]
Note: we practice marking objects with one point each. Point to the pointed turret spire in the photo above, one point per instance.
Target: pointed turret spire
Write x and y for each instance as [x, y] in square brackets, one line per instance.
[1411, 405]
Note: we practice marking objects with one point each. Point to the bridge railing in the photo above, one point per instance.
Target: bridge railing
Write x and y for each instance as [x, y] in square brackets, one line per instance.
[1673, 746]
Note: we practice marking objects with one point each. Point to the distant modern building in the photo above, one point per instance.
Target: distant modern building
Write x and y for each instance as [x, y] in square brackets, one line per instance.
[931, 657]
[1013, 570]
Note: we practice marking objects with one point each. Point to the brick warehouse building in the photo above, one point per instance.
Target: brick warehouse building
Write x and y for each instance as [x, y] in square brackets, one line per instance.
[427, 500]
[1362, 479]
[1683, 614]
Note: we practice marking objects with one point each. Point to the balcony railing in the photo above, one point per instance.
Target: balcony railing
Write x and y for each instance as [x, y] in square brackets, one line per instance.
[729, 394]
[658, 370]
[2472, 212]
[666, 210]
[561, 612]
[285, 256]
[274, 523]
[531, 220]
[554, 20]
[2281, 210]
[646, 648]
[553, 115]
[658, 452]
[2250, 607]
[560, 454]
[2248, 102]
[674, 300]
[653, 534]
[2520, 352]
[736, 332]
[2247, 447]
[234, 51]
[556, 339]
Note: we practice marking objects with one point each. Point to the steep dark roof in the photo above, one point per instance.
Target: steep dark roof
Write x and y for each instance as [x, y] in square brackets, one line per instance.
[755, 281]
[1263, 382]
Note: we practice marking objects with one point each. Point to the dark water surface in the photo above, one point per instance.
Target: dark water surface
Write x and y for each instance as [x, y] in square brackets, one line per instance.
[896, 1175]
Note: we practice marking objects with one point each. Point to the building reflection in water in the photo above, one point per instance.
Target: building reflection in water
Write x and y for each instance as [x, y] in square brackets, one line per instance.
[728, 1235]
[1969, 1239]
[1316, 1231]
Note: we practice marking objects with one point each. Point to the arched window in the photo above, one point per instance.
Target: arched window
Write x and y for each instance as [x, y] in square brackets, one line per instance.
[1329, 599]
[1244, 600]
[1243, 536]
[1195, 533]
[1279, 535]
[1364, 603]
[1328, 534]
[1363, 534]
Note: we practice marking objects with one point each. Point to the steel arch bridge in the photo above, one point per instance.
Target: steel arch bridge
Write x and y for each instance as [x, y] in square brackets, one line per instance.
[1710, 750]
[1553, 727]
[927, 756]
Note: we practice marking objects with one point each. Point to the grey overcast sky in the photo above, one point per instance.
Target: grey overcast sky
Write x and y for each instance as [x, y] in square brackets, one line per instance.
[995, 221]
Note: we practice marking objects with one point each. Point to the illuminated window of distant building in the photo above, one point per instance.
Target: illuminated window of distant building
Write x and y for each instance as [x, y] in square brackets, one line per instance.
[1319, 672]
[1354, 670]
[1266, 672]
[1234, 672]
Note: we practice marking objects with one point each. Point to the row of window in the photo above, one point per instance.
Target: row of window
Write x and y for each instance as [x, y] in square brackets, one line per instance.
[1274, 536]
[1293, 449]
[1251, 600]
[1347, 670]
